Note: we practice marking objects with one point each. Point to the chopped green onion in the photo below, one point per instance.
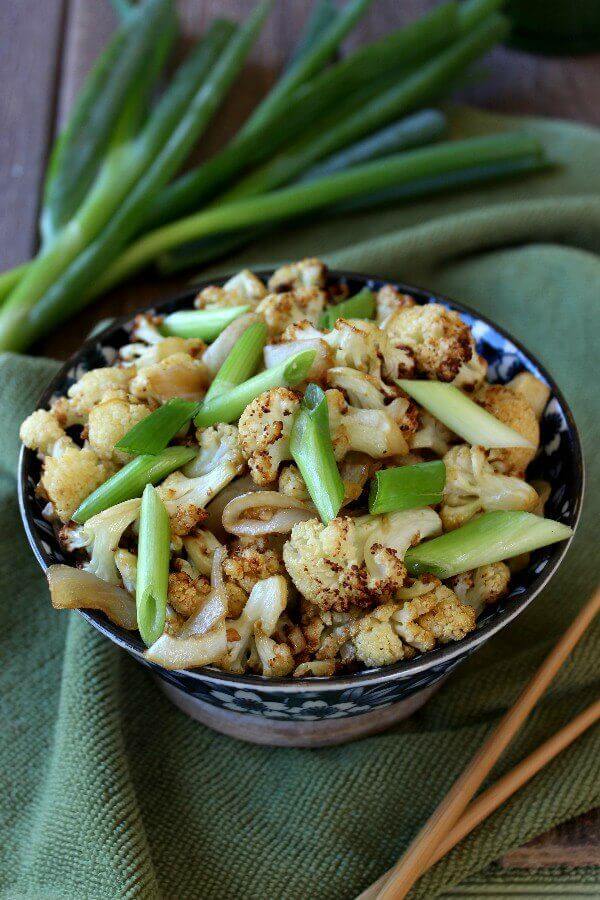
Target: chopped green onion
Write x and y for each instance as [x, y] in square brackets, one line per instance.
[321, 17]
[130, 481]
[229, 407]
[153, 433]
[462, 415]
[361, 306]
[312, 450]
[407, 487]
[243, 360]
[152, 583]
[490, 538]
[206, 324]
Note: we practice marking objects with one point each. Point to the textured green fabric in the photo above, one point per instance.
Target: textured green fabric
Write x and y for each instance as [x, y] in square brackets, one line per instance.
[108, 791]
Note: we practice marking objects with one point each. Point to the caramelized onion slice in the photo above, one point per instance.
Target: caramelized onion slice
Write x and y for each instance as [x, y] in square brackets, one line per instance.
[75, 589]
[265, 512]
[215, 508]
[188, 653]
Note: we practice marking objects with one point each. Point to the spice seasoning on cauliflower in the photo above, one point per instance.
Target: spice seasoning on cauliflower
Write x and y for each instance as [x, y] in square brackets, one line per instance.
[269, 588]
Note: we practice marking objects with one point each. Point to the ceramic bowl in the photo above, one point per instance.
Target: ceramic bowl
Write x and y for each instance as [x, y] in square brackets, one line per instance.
[319, 711]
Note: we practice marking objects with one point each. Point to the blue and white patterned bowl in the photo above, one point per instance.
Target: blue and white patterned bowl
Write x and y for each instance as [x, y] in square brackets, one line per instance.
[326, 710]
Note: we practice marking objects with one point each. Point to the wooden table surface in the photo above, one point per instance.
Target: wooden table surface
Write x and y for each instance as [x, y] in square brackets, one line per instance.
[46, 49]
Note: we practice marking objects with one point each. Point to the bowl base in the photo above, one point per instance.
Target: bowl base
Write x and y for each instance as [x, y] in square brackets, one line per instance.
[277, 733]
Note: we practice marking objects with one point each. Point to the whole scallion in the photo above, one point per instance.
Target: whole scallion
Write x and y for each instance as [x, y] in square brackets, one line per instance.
[229, 407]
[130, 481]
[361, 306]
[206, 324]
[312, 450]
[242, 362]
[462, 415]
[153, 433]
[152, 567]
[407, 487]
[491, 537]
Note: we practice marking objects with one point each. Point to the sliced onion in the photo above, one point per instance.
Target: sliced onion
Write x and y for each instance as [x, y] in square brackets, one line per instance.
[200, 650]
[215, 355]
[239, 516]
[275, 354]
[75, 589]
[214, 609]
[215, 509]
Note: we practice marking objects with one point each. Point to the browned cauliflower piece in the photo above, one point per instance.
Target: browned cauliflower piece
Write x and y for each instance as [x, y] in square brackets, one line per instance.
[307, 273]
[281, 310]
[264, 428]
[514, 410]
[376, 640]
[187, 589]
[71, 477]
[536, 392]
[354, 562]
[482, 586]
[243, 289]
[435, 616]
[440, 340]
[91, 388]
[110, 420]
[41, 431]
[178, 375]
[390, 300]
[250, 560]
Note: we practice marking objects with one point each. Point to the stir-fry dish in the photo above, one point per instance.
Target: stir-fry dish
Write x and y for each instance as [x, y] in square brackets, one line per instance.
[291, 480]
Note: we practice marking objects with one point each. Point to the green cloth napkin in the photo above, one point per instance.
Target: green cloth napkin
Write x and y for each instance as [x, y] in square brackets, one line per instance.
[109, 791]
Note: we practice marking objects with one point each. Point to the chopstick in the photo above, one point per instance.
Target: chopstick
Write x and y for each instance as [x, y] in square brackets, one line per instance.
[420, 853]
[504, 788]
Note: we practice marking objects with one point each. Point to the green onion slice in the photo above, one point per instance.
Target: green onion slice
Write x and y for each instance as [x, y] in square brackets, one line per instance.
[229, 407]
[153, 567]
[130, 481]
[206, 324]
[492, 537]
[242, 361]
[462, 415]
[312, 450]
[361, 306]
[407, 487]
[153, 433]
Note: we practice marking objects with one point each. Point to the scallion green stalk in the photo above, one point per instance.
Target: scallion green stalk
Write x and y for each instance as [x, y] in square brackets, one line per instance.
[130, 481]
[407, 487]
[462, 415]
[312, 450]
[491, 537]
[361, 306]
[320, 19]
[242, 362]
[206, 324]
[153, 433]
[152, 582]
[301, 199]
[229, 407]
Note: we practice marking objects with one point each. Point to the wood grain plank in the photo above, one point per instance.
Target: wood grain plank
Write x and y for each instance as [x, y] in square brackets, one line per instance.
[29, 50]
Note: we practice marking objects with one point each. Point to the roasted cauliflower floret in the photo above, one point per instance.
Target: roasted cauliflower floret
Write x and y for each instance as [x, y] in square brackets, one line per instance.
[514, 410]
[178, 375]
[292, 484]
[431, 435]
[251, 560]
[219, 461]
[109, 421]
[90, 390]
[42, 432]
[281, 310]
[362, 345]
[266, 603]
[265, 427]
[71, 477]
[370, 431]
[536, 392]
[435, 616]
[101, 535]
[389, 300]
[354, 561]
[187, 589]
[440, 340]
[243, 289]
[307, 273]
[482, 586]
[376, 641]
[473, 486]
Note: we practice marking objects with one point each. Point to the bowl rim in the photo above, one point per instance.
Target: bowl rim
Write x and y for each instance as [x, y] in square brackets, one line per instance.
[404, 669]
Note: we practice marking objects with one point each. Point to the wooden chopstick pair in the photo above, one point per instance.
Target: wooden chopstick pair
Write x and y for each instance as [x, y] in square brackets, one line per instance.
[455, 818]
